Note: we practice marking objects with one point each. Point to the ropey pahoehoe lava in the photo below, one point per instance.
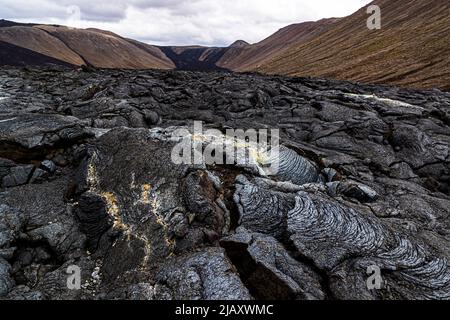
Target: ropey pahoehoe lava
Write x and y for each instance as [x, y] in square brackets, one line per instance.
[87, 180]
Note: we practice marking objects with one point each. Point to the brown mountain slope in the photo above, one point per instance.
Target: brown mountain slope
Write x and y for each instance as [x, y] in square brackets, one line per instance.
[12, 55]
[411, 49]
[41, 42]
[106, 50]
[243, 58]
[163, 60]
[95, 47]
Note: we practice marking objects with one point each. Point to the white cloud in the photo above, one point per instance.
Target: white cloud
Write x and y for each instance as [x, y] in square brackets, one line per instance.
[179, 22]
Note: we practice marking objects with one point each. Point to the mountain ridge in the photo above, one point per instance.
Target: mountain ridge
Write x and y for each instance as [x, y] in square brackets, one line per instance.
[77, 47]
[411, 49]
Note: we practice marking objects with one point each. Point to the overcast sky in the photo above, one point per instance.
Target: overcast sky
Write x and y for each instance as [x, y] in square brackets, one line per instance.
[179, 22]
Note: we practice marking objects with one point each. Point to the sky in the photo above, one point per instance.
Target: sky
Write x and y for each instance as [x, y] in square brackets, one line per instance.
[179, 22]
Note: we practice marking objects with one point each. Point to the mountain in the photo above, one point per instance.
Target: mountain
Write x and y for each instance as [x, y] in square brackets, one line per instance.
[98, 48]
[248, 57]
[41, 42]
[200, 58]
[195, 58]
[411, 49]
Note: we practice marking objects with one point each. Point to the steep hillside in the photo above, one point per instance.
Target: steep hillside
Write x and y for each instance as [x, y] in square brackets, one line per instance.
[411, 49]
[242, 58]
[95, 47]
[155, 52]
[105, 50]
[41, 42]
[12, 55]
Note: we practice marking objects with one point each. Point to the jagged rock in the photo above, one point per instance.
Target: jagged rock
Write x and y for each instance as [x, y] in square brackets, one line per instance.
[24, 136]
[199, 195]
[38, 175]
[145, 291]
[330, 234]
[17, 176]
[39, 216]
[151, 117]
[11, 222]
[24, 293]
[402, 171]
[352, 189]
[205, 275]
[416, 147]
[6, 282]
[330, 174]
[261, 210]
[268, 269]
[93, 217]
[49, 166]
[5, 167]
[363, 183]
[7, 253]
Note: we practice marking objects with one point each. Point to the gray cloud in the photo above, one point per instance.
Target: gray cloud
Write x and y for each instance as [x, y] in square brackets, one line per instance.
[180, 22]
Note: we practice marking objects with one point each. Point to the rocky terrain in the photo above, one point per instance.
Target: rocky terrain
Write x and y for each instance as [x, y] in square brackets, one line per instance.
[87, 180]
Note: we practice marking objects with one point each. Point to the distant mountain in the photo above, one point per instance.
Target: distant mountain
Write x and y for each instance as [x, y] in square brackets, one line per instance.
[98, 48]
[199, 58]
[195, 58]
[411, 49]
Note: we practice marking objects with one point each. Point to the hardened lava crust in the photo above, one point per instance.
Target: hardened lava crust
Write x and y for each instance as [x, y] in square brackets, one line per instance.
[87, 181]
